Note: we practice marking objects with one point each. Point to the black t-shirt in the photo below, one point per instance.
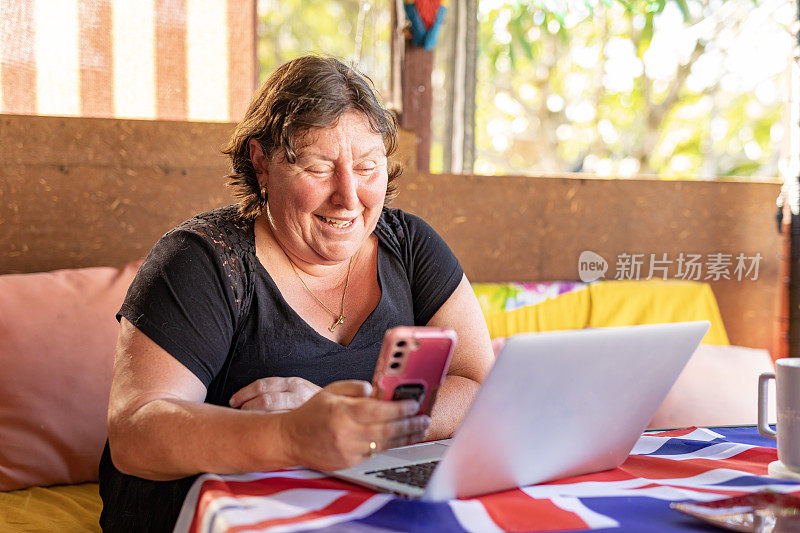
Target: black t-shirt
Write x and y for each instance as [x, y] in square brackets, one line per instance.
[204, 297]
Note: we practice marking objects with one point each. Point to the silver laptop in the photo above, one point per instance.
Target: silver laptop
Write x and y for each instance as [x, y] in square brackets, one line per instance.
[554, 405]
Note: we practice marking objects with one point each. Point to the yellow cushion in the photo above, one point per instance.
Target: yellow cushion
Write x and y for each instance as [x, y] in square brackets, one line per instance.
[568, 311]
[614, 303]
[62, 508]
[624, 303]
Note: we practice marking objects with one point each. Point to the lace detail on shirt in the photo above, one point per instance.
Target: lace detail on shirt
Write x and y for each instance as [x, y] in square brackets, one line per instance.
[233, 239]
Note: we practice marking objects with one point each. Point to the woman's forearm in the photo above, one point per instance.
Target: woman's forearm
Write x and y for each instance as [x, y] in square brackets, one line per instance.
[170, 438]
[452, 402]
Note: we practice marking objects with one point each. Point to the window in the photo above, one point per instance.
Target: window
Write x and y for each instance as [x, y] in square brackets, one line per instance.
[684, 88]
[356, 31]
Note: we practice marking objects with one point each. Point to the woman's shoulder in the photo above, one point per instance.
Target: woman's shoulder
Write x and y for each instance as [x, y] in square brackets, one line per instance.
[222, 236]
[396, 225]
[217, 243]
[221, 232]
[390, 229]
[224, 226]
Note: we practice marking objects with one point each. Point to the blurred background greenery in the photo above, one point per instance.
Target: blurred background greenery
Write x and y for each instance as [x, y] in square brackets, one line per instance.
[693, 89]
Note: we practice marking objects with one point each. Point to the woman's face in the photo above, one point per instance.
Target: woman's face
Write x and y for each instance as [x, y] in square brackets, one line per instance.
[324, 206]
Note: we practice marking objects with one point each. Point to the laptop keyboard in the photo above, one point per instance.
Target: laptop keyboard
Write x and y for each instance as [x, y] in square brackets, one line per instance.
[416, 475]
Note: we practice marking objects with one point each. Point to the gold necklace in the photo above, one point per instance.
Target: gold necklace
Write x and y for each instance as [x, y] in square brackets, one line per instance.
[340, 316]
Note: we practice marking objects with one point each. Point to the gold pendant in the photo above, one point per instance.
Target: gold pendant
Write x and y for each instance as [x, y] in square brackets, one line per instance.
[339, 320]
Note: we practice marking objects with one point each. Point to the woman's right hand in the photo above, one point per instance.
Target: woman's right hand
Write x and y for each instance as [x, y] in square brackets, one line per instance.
[335, 428]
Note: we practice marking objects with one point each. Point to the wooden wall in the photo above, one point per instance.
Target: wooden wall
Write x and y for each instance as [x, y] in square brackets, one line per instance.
[85, 191]
[529, 229]
[79, 192]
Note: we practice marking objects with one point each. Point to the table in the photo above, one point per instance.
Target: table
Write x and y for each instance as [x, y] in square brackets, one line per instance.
[686, 464]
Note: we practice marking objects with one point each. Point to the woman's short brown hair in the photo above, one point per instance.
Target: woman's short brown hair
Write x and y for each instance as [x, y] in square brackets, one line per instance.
[307, 92]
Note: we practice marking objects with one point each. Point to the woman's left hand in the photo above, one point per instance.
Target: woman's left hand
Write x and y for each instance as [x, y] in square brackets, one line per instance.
[274, 394]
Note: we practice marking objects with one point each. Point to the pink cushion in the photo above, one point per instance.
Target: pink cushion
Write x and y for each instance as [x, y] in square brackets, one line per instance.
[717, 387]
[57, 339]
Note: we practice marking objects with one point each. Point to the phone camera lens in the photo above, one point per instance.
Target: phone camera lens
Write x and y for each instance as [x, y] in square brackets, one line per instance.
[398, 355]
[394, 365]
[401, 343]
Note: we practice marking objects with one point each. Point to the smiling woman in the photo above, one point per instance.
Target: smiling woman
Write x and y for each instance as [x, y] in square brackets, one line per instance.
[323, 207]
[250, 333]
[321, 212]
[296, 98]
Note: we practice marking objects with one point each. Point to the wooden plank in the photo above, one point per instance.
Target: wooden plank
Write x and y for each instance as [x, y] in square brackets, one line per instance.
[80, 192]
[111, 142]
[506, 228]
[418, 100]
[69, 216]
[794, 287]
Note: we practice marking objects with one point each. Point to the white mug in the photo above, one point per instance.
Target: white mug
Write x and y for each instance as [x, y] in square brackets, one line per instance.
[787, 385]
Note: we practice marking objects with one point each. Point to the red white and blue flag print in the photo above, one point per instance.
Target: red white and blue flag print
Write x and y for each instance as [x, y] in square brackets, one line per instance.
[687, 464]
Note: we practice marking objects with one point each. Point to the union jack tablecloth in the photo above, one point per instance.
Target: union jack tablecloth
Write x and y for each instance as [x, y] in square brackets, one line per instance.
[686, 464]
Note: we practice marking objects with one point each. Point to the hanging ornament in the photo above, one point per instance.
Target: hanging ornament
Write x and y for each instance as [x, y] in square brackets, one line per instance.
[425, 17]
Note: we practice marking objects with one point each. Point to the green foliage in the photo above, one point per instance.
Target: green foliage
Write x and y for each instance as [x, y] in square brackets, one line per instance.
[546, 100]
[556, 69]
[291, 28]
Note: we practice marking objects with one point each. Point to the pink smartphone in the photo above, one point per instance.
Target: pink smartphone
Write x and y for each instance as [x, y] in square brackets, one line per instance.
[413, 364]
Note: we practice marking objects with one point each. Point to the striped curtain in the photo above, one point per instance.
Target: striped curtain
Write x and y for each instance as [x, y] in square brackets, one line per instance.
[144, 59]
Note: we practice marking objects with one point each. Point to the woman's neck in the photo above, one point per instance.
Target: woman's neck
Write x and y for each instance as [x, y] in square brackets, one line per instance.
[328, 275]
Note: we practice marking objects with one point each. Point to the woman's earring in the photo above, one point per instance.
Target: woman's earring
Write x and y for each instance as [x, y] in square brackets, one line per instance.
[263, 193]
